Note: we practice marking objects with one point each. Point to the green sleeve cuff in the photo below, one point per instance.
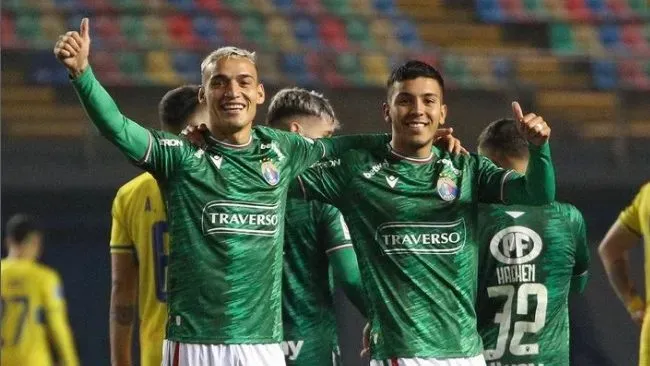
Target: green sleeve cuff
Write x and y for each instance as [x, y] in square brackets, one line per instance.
[86, 76]
[543, 149]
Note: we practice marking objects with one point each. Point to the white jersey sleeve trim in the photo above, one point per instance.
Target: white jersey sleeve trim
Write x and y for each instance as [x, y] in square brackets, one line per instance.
[503, 183]
[338, 247]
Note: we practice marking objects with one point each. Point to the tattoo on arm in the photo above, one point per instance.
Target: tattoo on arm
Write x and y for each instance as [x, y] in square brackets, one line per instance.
[123, 314]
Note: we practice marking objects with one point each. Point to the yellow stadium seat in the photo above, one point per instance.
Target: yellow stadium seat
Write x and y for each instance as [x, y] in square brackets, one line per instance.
[159, 68]
[375, 68]
[281, 33]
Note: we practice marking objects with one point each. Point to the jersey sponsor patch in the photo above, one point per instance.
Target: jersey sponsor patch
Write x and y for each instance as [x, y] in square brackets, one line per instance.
[447, 189]
[270, 172]
[422, 237]
[234, 217]
[516, 245]
[392, 181]
[171, 142]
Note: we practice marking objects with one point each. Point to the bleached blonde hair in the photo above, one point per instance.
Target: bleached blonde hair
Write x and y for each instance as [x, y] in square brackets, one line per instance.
[226, 52]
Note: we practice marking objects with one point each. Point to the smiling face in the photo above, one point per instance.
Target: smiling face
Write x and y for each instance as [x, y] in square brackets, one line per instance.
[415, 110]
[231, 90]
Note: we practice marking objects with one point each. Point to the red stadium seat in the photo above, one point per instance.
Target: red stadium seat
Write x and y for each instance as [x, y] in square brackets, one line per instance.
[578, 10]
[229, 28]
[633, 75]
[8, 31]
[633, 39]
[619, 7]
[513, 8]
[108, 30]
[332, 32]
[209, 5]
[99, 5]
[180, 30]
[311, 7]
[106, 65]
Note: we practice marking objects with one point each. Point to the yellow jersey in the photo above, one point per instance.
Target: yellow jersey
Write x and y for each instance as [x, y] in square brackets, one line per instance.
[636, 218]
[34, 316]
[140, 228]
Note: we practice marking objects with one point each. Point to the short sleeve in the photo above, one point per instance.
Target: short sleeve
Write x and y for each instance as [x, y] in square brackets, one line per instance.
[324, 181]
[53, 293]
[630, 217]
[121, 241]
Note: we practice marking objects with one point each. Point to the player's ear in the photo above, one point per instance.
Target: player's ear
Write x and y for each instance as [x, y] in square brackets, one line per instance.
[443, 114]
[260, 93]
[295, 127]
[386, 111]
[201, 95]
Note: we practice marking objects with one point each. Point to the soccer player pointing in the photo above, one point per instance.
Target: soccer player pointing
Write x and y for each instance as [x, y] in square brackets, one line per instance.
[412, 210]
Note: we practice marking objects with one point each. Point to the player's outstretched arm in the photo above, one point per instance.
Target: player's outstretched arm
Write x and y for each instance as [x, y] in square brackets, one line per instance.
[72, 50]
[537, 187]
[613, 251]
[58, 326]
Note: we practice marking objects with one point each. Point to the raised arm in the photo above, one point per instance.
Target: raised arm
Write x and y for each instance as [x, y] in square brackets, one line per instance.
[72, 51]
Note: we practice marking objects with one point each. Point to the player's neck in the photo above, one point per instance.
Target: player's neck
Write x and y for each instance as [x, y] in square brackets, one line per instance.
[237, 138]
[409, 151]
[21, 254]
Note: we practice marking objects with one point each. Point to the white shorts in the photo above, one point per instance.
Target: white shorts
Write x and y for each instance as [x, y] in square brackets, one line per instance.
[464, 361]
[185, 354]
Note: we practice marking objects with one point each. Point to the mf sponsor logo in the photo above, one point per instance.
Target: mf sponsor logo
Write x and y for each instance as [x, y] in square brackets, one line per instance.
[171, 142]
[516, 245]
[291, 349]
[245, 218]
[422, 237]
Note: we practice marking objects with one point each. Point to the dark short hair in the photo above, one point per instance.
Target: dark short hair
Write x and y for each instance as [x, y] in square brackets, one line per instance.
[414, 69]
[20, 226]
[294, 102]
[176, 106]
[502, 136]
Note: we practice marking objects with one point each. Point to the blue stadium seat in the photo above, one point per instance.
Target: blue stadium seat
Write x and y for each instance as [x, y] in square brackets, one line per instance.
[597, 6]
[501, 68]
[294, 66]
[69, 4]
[284, 5]
[609, 35]
[187, 64]
[490, 10]
[407, 33]
[306, 32]
[183, 5]
[604, 74]
[386, 7]
[205, 29]
[45, 69]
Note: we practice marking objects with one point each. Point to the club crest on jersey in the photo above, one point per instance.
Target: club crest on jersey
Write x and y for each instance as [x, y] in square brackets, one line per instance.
[447, 189]
[270, 172]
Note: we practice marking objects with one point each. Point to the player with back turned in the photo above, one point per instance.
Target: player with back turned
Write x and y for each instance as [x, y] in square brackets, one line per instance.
[531, 258]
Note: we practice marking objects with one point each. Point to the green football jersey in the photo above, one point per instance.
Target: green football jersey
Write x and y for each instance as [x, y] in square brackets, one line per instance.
[412, 224]
[529, 256]
[225, 206]
[312, 230]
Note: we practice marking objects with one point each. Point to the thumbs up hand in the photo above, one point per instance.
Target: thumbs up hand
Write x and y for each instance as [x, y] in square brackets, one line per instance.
[72, 49]
[532, 126]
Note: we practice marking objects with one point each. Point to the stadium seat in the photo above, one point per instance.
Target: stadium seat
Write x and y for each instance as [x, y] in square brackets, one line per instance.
[187, 66]
[407, 34]
[156, 31]
[130, 5]
[238, 6]
[385, 7]
[284, 5]
[383, 33]
[578, 10]
[604, 74]
[133, 30]
[281, 33]
[159, 68]
[7, 31]
[358, 33]
[214, 6]
[597, 6]
[106, 28]
[332, 33]
[310, 7]
[107, 68]
[295, 68]
[229, 28]
[534, 7]
[632, 38]
[362, 7]
[562, 40]
[254, 30]
[205, 29]
[609, 36]
[99, 5]
[306, 32]
[45, 69]
[375, 68]
[131, 65]
[502, 69]
[51, 26]
[455, 69]
[337, 7]
[490, 10]
[267, 64]
[349, 66]
[182, 5]
[513, 9]
[77, 5]
[587, 39]
[28, 28]
[180, 29]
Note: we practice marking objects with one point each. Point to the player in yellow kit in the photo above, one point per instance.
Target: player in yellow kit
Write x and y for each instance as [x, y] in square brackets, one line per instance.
[632, 225]
[33, 309]
[139, 247]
